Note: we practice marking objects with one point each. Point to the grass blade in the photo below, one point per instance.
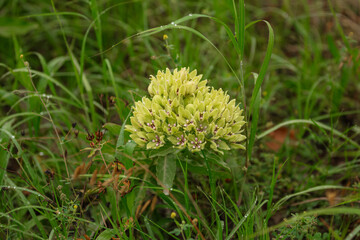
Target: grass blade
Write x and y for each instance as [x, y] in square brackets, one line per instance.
[316, 123]
[238, 225]
[254, 122]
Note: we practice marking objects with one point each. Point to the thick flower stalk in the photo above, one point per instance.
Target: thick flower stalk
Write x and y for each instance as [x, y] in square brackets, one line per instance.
[184, 112]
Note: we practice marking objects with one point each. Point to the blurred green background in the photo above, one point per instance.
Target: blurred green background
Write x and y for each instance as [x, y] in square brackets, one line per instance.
[90, 64]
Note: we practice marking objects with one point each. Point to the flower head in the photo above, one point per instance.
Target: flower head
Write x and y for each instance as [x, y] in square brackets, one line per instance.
[185, 112]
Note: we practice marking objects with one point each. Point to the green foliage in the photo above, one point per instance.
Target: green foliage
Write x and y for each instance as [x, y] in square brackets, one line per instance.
[165, 171]
[304, 228]
[14, 26]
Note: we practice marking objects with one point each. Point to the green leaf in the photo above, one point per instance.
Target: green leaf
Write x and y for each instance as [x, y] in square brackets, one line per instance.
[254, 122]
[129, 147]
[120, 141]
[106, 235]
[353, 234]
[176, 231]
[238, 225]
[264, 65]
[15, 26]
[165, 171]
[164, 151]
[3, 163]
[218, 160]
[113, 128]
[4, 155]
[255, 98]
[196, 169]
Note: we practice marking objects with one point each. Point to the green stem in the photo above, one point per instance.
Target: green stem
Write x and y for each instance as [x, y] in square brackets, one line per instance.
[186, 186]
[242, 80]
[213, 197]
[211, 180]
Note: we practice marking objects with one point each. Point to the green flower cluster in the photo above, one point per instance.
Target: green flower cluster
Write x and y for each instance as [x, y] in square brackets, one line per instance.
[185, 112]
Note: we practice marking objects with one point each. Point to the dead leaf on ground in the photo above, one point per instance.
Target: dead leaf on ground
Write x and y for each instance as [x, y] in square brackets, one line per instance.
[278, 137]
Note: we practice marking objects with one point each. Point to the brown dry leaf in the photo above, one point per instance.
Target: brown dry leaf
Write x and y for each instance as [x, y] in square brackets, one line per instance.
[93, 177]
[129, 172]
[331, 197]
[153, 204]
[147, 203]
[107, 182]
[26, 193]
[116, 181]
[86, 168]
[115, 171]
[102, 169]
[125, 188]
[138, 210]
[278, 138]
[78, 171]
